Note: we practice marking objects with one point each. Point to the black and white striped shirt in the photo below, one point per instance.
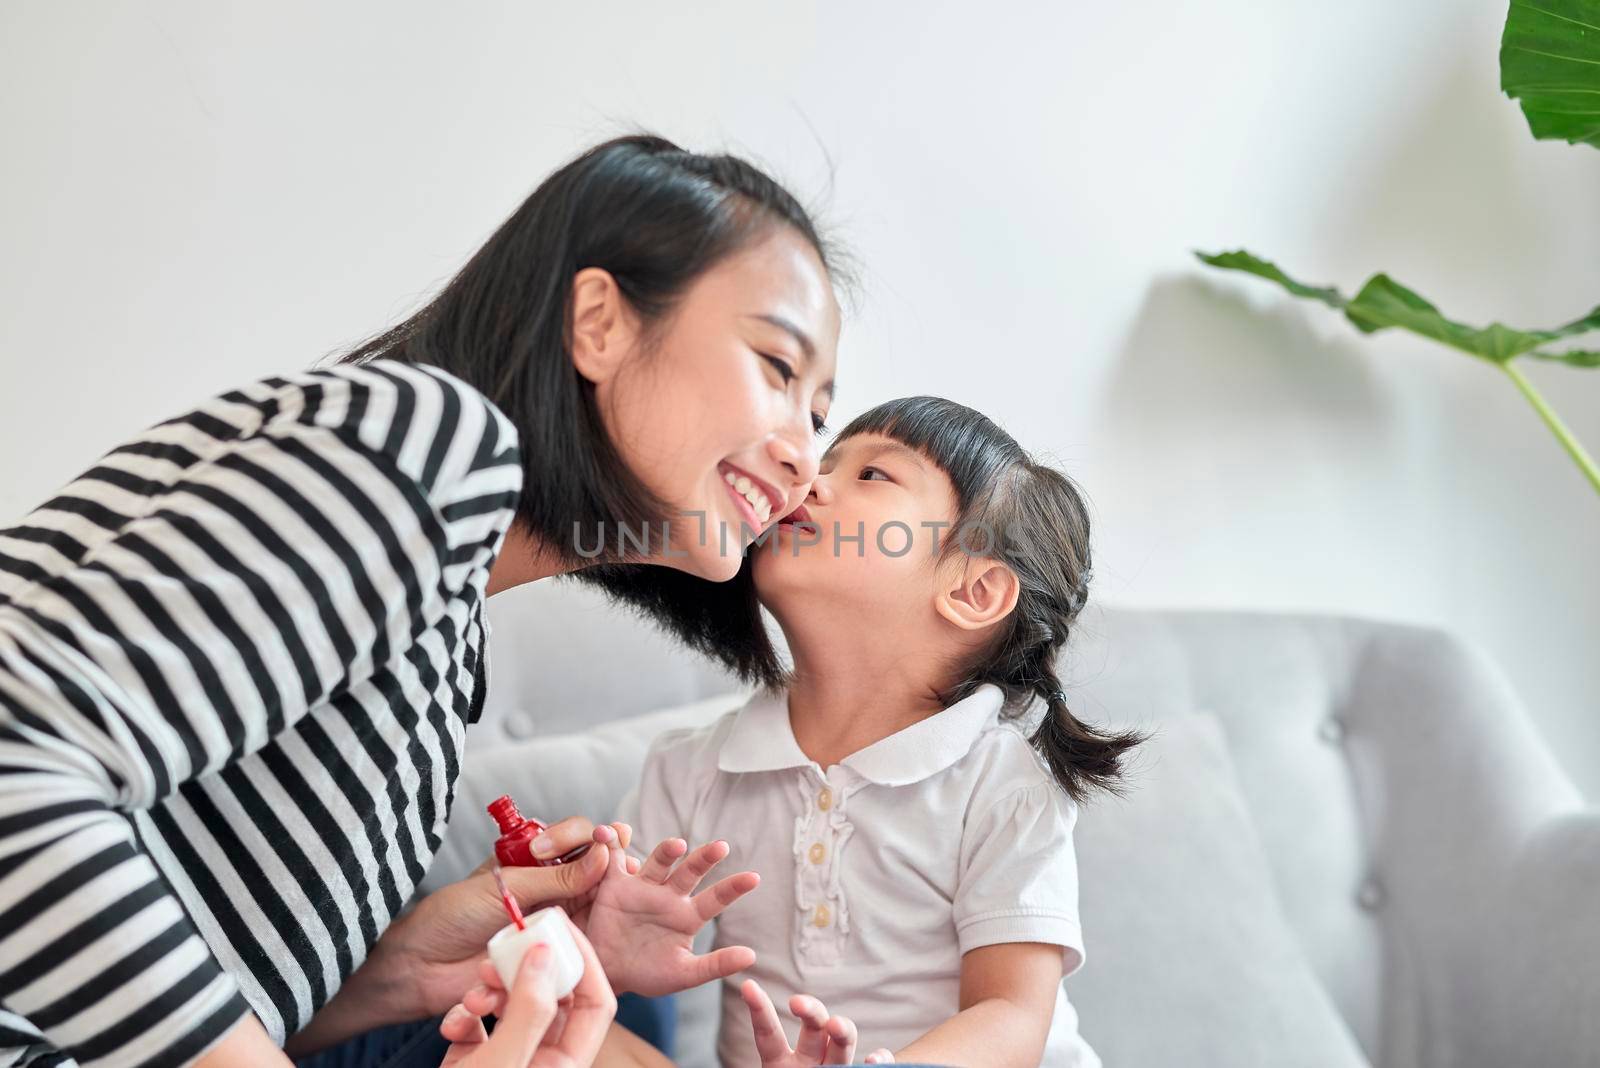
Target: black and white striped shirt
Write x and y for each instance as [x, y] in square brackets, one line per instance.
[237, 661]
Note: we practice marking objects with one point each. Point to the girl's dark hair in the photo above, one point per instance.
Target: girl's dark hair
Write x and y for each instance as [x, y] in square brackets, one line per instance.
[656, 217]
[1033, 519]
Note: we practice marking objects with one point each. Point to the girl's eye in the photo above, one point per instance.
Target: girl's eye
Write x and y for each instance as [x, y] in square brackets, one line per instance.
[783, 369]
[875, 470]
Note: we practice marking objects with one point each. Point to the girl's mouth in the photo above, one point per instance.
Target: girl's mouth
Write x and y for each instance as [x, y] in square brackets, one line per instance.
[796, 518]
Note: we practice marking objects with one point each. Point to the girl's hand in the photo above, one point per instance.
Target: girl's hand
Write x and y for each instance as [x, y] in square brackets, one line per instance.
[616, 836]
[643, 925]
[823, 1039]
[534, 1030]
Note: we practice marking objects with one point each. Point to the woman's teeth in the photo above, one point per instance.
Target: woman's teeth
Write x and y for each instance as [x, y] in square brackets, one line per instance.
[750, 492]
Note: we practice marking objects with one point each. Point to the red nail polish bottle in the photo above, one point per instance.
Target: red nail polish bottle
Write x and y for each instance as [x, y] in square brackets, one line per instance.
[514, 848]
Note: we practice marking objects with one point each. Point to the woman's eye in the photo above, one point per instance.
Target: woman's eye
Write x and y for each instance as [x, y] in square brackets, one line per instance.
[819, 424]
[783, 369]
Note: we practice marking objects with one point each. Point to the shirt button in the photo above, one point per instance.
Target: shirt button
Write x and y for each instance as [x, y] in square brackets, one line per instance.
[821, 916]
[817, 853]
[825, 799]
[1331, 730]
[1371, 895]
[518, 726]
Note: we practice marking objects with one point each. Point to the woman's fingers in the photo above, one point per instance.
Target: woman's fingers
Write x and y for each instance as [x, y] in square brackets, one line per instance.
[559, 839]
[812, 1045]
[530, 1007]
[592, 1006]
[462, 1025]
[659, 864]
[696, 865]
[841, 1041]
[484, 1001]
[536, 887]
[708, 904]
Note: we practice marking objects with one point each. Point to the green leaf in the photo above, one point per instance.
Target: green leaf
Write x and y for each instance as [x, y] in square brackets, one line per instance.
[1573, 357]
[1550, 64]
[1384, 303]
[1240, 260]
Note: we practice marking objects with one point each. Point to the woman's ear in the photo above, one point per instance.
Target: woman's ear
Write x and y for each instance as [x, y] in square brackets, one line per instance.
[981, 593]
[603, 329]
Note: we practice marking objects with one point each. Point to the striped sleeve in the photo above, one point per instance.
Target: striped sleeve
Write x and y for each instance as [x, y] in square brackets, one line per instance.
[191, 596]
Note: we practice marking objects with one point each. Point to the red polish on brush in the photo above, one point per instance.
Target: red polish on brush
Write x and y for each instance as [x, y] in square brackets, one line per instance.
[509, 901]
[514, 848]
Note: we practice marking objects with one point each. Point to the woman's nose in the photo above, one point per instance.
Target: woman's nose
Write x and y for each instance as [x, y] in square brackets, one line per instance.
[799, 459]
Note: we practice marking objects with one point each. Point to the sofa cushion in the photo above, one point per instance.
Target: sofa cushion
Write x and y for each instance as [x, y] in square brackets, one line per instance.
[1178, 904]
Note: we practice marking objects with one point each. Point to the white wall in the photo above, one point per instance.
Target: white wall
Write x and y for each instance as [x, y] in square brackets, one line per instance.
[198, 193]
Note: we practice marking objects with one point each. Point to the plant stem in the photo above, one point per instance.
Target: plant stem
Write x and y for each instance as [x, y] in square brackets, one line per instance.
[1585, 463]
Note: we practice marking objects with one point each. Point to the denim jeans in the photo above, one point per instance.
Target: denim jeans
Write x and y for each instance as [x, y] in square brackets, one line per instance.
[418, 1044]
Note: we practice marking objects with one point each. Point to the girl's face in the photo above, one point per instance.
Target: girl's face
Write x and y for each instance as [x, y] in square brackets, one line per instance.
[899, 503]
[732, 385]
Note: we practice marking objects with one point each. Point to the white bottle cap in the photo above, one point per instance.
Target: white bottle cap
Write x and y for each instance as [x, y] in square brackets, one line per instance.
[509, 946]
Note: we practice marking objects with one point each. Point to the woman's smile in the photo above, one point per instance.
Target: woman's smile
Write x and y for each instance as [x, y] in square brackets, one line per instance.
[753, 495]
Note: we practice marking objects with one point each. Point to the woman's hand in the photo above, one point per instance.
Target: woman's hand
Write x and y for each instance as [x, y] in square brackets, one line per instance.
[643, 925]
[823, 1039]
[534, 1029]
[431, 954]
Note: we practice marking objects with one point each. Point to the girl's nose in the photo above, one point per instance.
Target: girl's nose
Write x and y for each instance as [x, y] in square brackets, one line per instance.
[820, 492]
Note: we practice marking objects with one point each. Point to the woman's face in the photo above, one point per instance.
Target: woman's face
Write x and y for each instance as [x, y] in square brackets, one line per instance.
[718, 413]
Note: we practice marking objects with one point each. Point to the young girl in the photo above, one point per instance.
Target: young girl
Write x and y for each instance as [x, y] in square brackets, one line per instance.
[914, 838]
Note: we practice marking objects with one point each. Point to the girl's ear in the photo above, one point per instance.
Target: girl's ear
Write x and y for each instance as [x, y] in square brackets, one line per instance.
[603, 329]
[980, 594]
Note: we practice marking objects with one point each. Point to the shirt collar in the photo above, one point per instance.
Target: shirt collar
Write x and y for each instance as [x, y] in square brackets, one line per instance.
[762, 740]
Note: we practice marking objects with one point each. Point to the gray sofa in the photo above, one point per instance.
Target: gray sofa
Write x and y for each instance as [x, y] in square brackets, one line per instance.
[1344, 843]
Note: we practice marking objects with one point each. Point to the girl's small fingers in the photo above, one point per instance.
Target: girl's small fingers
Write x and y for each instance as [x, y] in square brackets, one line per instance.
[710, 903]
[812, 1044]
[697, 865]
[662, 858]
[624, 834]
[771, 1043]
[633, 866]
[880, 1056]
[841, 1041]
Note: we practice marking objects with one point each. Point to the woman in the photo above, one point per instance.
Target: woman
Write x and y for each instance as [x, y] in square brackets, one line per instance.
[238, 656]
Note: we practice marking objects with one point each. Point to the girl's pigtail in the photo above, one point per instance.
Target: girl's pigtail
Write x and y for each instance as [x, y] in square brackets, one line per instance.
[1083, 758]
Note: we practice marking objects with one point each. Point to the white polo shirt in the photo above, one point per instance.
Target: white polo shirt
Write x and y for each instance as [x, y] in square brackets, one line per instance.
[878, 873]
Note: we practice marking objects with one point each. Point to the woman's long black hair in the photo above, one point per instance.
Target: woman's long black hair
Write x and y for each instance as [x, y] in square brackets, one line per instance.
[1032, 518]
[655, 217]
